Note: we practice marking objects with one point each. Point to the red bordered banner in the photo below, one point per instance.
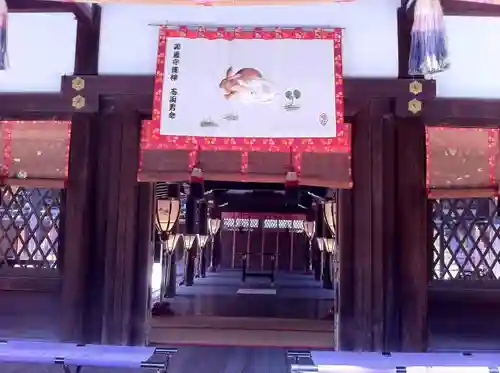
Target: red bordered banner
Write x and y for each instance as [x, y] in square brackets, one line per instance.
[152, 139]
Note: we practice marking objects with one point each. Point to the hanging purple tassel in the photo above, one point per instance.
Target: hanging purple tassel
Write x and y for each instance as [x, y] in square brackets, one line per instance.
[3, 35]
[428, 51]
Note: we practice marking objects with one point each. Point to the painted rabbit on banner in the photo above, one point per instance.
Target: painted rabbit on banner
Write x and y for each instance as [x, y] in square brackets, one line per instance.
[247, 85]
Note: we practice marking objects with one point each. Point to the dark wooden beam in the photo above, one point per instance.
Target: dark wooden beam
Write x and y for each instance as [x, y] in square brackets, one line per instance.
[209, 185]
[405, 23]
[139, 88]
[87, 44]
[471, 9]
[356, 91]
[15, 105]
[463, 112]
[355, 88]
[82, 12]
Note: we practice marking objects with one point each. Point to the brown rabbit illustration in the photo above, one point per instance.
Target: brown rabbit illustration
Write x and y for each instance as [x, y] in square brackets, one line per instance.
[233, 83]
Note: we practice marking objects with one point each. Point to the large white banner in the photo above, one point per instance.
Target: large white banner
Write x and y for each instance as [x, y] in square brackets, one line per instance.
[280, 84]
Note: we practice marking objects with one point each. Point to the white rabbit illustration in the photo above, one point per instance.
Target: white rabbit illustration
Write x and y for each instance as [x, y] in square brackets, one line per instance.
[247, 85]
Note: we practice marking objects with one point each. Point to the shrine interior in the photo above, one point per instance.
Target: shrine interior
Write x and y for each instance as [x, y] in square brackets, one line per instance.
[256, 275]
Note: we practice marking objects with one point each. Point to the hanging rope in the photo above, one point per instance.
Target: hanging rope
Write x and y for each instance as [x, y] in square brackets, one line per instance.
[3, 35]
[428, 51]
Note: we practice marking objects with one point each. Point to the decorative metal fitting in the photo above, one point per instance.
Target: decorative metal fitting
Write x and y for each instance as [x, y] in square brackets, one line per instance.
[415, 106]
[78, 84]
[415, 87]
[78, 102]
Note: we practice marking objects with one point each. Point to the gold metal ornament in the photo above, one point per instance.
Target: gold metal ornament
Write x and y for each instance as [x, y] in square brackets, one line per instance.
[22, 175]
[415, 87]
[78, 102]
[415, 106]
[78, 84]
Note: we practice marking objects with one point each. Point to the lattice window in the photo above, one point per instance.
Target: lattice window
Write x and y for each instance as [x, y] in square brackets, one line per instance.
[30, 223]
[298, 225]
[285, 224]
[270, 223]
[228, 223]
[294, 225]
[466, 239]
[240, 223]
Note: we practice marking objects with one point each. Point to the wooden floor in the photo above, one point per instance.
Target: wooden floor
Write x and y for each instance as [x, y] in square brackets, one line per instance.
[213, 312]
[298, 296]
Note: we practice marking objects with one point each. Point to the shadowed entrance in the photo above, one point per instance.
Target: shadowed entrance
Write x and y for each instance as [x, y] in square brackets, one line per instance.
[260, 280]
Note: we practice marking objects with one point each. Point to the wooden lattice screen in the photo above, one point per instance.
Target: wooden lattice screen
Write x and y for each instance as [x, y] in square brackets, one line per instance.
[466, 239]
[30, 224]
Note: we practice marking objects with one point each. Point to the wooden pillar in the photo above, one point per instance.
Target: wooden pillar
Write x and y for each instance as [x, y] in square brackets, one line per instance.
[78, 236]
[169, 271]
[412, 218]
[117, 232]
[372, 149]
[143, 266]
[215, 252]
[77, 233]
[106, 266]
[171, 290]
[362, 226]
[203, 230]
[327, 272]
[320, 232]
[191, 211]
[346, 335]
[116, 211]
[385, 241]
[310, 216]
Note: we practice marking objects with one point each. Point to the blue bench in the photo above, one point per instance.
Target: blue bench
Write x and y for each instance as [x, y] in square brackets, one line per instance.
[69, 355]
[337, 361]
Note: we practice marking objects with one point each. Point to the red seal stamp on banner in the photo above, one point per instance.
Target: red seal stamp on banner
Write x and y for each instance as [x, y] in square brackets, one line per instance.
[323, 119]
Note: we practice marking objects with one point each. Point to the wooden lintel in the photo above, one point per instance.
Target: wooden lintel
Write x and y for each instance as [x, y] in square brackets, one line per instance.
[463, 112]
[365, 88]
[139, 89]
[471, 9]
[82, 12]
[14, 104]
[357, 91]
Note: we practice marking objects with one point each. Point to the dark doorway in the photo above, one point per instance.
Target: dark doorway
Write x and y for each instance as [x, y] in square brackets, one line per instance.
[261, 292]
